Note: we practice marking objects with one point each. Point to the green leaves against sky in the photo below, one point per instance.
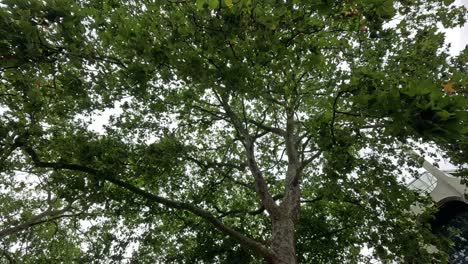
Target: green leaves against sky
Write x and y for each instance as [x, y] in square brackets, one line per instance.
[196, 83]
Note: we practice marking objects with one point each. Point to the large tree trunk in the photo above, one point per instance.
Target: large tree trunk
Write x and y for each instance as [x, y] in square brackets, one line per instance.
[283, 241]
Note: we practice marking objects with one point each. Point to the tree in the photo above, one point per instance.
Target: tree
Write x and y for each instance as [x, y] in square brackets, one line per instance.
[245, 131]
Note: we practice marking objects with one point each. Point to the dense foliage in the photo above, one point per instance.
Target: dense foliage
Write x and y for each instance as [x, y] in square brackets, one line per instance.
[241, 130]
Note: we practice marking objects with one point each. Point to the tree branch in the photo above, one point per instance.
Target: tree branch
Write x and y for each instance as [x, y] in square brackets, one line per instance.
[332, 123]
[331, 232]
[46, 216]
[257, 211]
[312, 200]
[215, 165]
[274, 130]
[291, 201]
[306, 162]
[207, 216]
[261, 186]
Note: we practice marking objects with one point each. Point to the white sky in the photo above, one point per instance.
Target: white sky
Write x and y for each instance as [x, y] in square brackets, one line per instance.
[457, 37]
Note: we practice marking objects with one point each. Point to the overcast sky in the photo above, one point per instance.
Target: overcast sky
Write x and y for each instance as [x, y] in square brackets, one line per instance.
[458, 37]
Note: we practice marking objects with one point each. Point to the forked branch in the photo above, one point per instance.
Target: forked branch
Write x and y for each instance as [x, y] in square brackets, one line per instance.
[261, 186]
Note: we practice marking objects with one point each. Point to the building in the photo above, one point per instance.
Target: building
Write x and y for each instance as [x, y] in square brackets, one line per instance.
[449, 194]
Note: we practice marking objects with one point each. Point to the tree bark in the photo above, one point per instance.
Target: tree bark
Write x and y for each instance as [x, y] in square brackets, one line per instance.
[283, 241]
[284, 219]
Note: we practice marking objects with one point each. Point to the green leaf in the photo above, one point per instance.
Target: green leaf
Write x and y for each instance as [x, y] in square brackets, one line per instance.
[448, 2]
[386, 9]
[201, 4]
[228, 3]
[443, 115]
[213, 4]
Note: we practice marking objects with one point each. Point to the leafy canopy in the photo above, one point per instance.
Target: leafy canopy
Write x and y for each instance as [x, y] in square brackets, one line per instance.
[225, 110]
